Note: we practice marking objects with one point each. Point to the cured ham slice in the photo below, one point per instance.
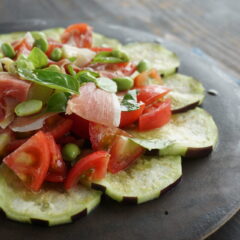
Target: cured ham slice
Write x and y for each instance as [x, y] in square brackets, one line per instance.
[96, 105]
[12, 91]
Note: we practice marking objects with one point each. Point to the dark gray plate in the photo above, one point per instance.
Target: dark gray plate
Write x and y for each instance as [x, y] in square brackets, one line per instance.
[209, 192]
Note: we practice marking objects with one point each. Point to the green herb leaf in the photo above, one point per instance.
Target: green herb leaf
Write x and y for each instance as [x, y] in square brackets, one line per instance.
[85, 76]
[129, 102]
[38, 58]
[106, 84]
[57, 102]
[51, 79]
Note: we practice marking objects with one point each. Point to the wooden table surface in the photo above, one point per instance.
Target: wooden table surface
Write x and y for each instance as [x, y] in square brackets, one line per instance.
[213, 26]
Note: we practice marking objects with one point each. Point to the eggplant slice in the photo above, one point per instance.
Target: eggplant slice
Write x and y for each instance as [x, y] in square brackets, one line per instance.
[190, 134]
[50, 206]
[186, 93]
[165, 61]
[145, 180]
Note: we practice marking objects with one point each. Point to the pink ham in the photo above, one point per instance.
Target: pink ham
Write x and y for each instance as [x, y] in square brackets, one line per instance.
[12, 91]
[96, 105]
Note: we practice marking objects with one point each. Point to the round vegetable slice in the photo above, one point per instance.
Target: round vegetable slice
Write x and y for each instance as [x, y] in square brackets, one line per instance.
[102, 41]
[165, 61]
[191, 134]
[145, 180]
[186, 92]
[50, 206]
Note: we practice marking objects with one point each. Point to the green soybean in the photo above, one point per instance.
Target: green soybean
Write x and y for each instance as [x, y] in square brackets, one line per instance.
[123, 83]
[8, 50]
[56, 54]
[121, 55]
[28, 108]
[70, 152]
[42, 44]
[142, 66]
[53, 68]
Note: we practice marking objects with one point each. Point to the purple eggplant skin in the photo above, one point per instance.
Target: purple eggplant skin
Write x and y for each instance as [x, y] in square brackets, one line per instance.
[134, 200]
[186, 108]
[194, 153]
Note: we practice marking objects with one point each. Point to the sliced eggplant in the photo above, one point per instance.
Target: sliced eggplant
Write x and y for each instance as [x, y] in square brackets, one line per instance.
[50, 206]
[190, 134]
[145, 180]
[165, 61]
[186, 92]
[100, 40]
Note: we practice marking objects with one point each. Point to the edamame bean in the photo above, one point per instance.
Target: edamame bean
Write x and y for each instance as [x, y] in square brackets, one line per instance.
[123, 83]
[42, 44]
[28, 108]
[53, 68]
[70, 152]
[56, 54]
[8, 50]
[119, 54]
[142, 66]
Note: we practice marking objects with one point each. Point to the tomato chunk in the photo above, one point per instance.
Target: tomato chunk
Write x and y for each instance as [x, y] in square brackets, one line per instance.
[155, 115]
[92, 167]
[80, 126]
[145, 78]
[150, 93]
[57, 169]
[102, 136]
[61, 128]
[79, 35]
[123, 153]
[101, 49]
[128, 118]
[30, 162]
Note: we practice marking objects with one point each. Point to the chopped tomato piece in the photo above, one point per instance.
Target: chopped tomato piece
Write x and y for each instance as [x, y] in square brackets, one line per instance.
[79, 35]
[102, 136]
[101, 49]
[61, 128]
[150, 93]
[155, 115]
[143, 78]
[80, 126]
[128, 118]
[57, 169]
[92, 167]
[123, 153]
[23, 46]
[31, 160]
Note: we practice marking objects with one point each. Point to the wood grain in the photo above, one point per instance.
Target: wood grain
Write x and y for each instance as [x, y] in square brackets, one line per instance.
[212, 26]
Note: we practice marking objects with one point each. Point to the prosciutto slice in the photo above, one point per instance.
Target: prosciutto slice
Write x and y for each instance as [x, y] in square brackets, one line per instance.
[96, 105]
[12, 91]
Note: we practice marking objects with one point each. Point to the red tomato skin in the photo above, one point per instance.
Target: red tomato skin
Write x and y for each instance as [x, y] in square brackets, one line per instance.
[32, 170]
[57, 168]
[80, 126]
[97, 161]
[80, 34]
[150, 93]
[141, 79]
[123, 154]
[62, 127]
[102, 136]
[101, 49]
[128, 118]
[155, 116]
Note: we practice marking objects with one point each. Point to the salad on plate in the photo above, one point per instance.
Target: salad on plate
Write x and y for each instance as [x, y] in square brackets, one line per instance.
[82, 115]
